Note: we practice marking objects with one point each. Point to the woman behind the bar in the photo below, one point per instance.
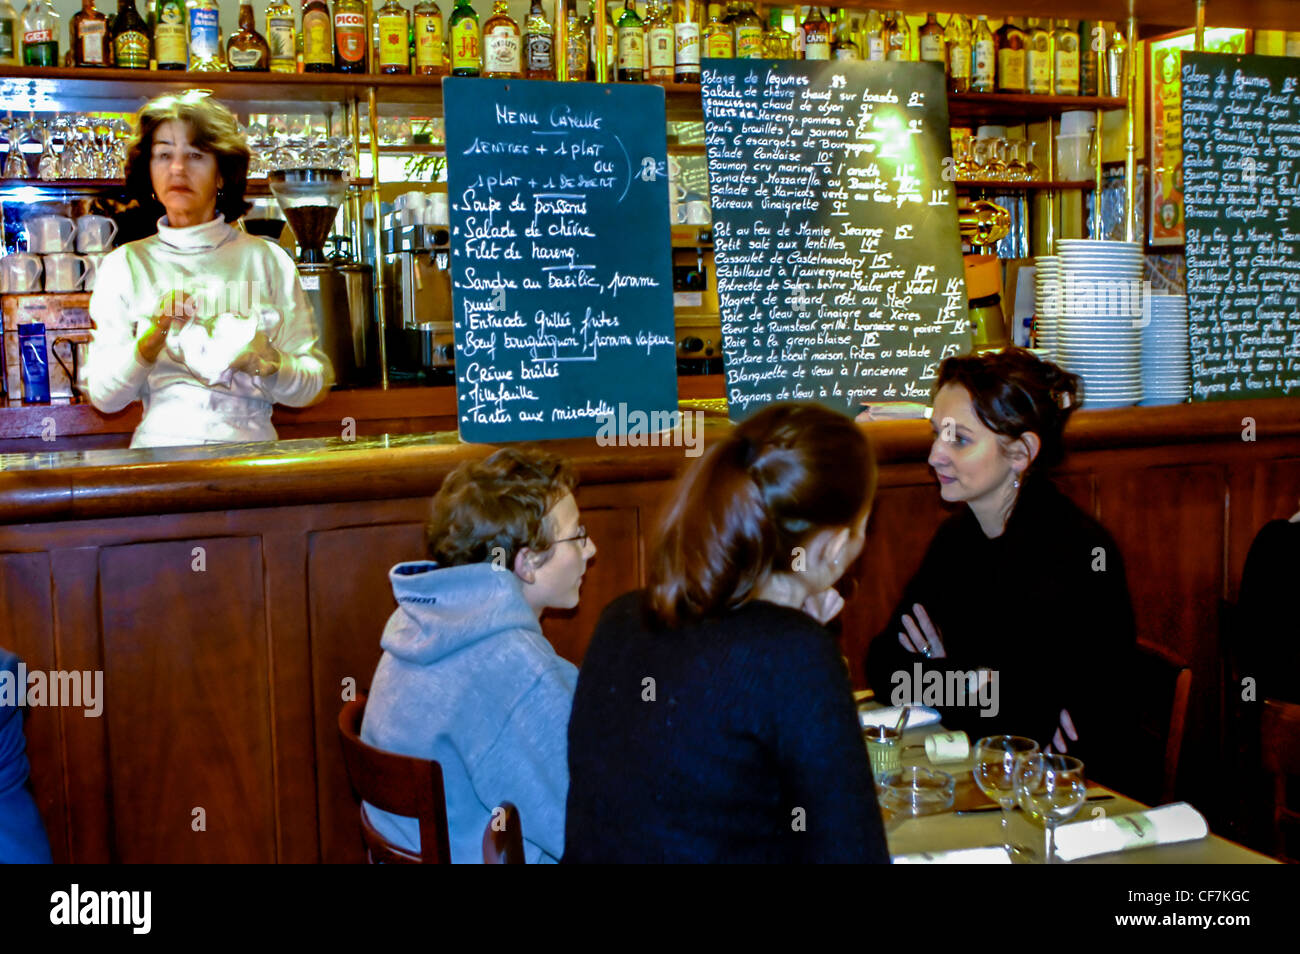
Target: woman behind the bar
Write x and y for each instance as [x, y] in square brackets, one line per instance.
[1020, 583]
[188, 159]
[467, 677]
[714, 720]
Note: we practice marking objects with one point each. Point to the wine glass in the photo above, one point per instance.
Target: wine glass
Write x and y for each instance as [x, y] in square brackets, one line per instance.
[1050, 789]
[1031, 169]
[996, 760]
[1016, 165]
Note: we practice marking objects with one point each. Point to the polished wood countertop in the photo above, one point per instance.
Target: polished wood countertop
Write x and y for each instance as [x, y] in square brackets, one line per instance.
[102, 483]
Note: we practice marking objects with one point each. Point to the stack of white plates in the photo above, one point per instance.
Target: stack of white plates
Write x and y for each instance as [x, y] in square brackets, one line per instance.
[1099, 336]
[1047, 302]
[1166, 362]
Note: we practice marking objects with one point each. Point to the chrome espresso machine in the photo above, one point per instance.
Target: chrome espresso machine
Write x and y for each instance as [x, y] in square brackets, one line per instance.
[417, 280]
[341, 291]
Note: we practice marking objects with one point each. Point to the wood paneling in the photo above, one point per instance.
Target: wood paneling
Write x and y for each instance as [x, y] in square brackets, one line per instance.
[349, 599]
[188, 701]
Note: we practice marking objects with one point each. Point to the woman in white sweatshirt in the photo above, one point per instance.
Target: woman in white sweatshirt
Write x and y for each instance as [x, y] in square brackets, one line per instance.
[206, 324]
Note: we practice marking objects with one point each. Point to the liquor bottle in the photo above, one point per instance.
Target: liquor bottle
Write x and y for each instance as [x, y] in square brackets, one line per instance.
[11, 35]
[873, 37]
[686, 41]
[394, 37]
[898, 38]
[748, 29]
[502, 44]
[577, 42]
[317, 37]
[1092, 49]
[130, 37]
[204, 35]
[984, 57]
[539, 49]
[930, 40]
[463, 29]
[660, 54]
[816, 35]
[777, 43]
[631, 45]
[247, 50]
[1067, 59]
[718, 40]
[958, 37]
[90, 42]
[1040, 58]
[611, 57]
[170, 35]
[351, 44]
[1292, 41]
[1012, 57]
[281, 36]
[429, 56]
[40, 34]
[843, 45]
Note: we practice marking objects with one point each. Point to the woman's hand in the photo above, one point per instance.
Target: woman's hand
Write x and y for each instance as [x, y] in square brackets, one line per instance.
[260, 359]
[174, 308]
[922, 635]
[824, 606]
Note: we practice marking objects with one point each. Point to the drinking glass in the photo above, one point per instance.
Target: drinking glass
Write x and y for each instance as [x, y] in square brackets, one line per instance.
[1031, 170]
[1015, 164]
[996, 760]
[1050, 789]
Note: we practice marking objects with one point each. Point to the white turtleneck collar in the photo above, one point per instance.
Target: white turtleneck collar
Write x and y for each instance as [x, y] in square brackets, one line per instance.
[195, 238]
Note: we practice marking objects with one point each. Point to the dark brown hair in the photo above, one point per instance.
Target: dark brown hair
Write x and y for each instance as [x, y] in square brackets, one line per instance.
[778, 478]
[213, 128]
[1013, 392]
[498, 502]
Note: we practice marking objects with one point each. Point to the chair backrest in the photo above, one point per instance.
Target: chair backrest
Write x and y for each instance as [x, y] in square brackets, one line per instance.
[503, 838]
[1279, 743]
[398, 784]
[1165, 685]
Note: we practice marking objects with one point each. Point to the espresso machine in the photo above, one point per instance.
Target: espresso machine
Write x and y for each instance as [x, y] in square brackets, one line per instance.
[420, 338]
[341, 294]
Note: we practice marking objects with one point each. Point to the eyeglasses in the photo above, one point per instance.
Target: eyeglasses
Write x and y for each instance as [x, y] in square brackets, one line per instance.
[580, 537]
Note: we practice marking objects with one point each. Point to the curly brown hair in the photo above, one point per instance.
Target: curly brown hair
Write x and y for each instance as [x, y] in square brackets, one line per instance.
[213, 128]
[497, 506]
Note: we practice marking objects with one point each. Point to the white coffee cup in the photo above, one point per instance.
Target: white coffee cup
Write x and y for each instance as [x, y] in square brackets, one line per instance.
[694, 212]
[436, 209]
[95, 233]
[92, 269]
[64, 272]
[50, 233]
[20, 272]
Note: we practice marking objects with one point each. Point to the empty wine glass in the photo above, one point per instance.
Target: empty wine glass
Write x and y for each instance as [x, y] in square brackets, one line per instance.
[1031, 170]
[996, 759]
[47, 166]
[1050, 789]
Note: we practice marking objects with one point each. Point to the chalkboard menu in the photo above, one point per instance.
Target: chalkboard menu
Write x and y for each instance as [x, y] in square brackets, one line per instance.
[1241, 166]
[835, 231]
[560, 258]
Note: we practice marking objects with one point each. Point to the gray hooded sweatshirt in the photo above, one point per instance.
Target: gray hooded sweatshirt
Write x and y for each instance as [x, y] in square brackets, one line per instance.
[467, 679]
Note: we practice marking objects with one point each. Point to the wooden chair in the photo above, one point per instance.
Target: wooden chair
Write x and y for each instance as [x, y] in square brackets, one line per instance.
[1279, 742]
[1164, 685]
[398, 784]
[503, 838]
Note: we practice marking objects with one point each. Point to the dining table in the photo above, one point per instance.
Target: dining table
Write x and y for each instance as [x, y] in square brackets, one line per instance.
[974, 821]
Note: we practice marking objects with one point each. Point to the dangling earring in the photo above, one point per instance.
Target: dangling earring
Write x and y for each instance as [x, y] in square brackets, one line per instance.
[1015, 482]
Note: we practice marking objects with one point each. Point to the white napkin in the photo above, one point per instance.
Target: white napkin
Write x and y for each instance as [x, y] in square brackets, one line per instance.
[209, 354]
[1156, 826]
[958, 856]
[916, 716]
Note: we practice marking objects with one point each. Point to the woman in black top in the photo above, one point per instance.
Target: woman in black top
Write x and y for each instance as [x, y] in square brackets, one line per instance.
[1022, 596]
[713, 719]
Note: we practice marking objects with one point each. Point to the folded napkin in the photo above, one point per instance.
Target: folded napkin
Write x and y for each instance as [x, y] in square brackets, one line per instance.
[916, 716]
[1155, 826]
[959, 856]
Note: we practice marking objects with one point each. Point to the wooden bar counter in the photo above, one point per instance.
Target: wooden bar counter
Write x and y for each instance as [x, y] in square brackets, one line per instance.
[231, 596]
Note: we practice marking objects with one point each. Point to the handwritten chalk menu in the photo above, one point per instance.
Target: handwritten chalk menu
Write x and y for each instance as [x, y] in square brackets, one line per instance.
[835, 233]
[1241, 170]
[561, 268]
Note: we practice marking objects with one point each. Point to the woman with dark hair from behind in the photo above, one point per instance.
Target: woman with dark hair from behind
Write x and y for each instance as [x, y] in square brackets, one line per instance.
[1020, 586]
[713, 719]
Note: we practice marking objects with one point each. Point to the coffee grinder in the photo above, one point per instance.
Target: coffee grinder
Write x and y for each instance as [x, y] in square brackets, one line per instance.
[310, 199]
